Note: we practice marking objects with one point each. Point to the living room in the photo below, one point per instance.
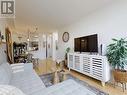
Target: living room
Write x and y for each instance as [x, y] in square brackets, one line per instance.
[47, 32]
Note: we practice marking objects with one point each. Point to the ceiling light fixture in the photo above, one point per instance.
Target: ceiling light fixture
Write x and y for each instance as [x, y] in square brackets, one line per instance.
[28, 39]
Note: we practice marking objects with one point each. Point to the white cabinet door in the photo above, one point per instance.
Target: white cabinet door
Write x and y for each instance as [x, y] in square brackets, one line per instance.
[86, 65]
[97, 68]
[77, 62]
[70, 60]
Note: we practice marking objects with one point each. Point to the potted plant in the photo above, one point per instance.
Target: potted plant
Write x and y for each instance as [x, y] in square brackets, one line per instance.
[66, 52]
[117, 57]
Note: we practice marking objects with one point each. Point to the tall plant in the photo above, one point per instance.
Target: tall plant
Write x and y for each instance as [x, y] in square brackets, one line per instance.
[117, 53]
[67, 51]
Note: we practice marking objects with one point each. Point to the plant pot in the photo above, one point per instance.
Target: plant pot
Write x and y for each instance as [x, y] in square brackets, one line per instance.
[120, 75]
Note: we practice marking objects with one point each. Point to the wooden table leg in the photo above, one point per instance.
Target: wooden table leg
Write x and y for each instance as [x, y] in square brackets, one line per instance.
[103, 84]
[64, 77]
[56, 78]
[123, 86]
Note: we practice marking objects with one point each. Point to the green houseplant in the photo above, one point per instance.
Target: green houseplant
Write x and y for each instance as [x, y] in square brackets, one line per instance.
[66, 52]
[117, 57]
[117, 53]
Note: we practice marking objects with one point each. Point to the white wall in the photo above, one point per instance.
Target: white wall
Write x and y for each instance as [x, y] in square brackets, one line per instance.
[3, 24]
[109, 22]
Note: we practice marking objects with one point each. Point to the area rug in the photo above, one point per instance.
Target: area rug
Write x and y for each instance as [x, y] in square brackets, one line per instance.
[48, 78]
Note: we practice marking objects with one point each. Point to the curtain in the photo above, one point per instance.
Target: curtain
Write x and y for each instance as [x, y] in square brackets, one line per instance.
[9, 46]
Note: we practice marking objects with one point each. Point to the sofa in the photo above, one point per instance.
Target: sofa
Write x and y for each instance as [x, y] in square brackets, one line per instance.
[24, 77]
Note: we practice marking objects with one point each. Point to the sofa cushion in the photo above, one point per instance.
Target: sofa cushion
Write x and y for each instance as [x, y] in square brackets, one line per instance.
[27, 81]
[8, 69]
[5, 73]
[10, 90]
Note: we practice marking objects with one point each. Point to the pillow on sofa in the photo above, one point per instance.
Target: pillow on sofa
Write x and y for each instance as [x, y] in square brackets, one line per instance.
[10, 90]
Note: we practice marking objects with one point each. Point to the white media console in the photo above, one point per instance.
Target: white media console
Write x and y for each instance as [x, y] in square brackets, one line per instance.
[95, 66]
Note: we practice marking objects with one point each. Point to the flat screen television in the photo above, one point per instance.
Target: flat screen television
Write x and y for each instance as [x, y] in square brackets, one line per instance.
[86, 44]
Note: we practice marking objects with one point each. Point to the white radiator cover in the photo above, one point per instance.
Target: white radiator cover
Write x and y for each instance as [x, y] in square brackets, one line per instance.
[95, 66]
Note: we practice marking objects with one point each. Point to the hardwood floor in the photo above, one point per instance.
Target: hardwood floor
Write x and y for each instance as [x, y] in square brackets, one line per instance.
[46, 65]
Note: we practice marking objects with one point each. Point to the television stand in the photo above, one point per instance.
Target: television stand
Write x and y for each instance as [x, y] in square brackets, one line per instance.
[95, 66]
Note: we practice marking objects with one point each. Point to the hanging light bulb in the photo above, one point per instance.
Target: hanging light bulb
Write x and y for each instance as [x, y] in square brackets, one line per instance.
[28, 39]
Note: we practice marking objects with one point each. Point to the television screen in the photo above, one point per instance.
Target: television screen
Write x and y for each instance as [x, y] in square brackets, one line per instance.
[93, 43]
[77, 45]
[86, 44]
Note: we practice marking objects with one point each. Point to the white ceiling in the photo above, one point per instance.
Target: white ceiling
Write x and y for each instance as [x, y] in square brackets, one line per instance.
[54, 13]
